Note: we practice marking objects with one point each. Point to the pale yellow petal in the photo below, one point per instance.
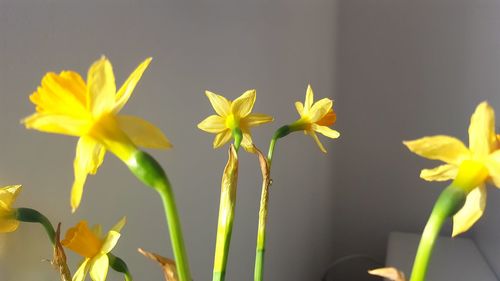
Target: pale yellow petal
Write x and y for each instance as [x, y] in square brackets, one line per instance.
[142, 133]
[256, 119]
[246, 142]
[326, 131]
[128, 87]
[444, 148]
[82, 270]
[8, 225]
[89, 156]
[440, 173]
[8, 195]
[320, 109]
[493, 166]
[220, 104]
[110, 241]
[300, 107]
[58, 124]
[472, 210]
[213, 124]
[119, 225]
[482, 137]
[309, 98]
[97, 230]
[222, 138]
[242, 106]
[99, 267]
[101, 86]
[316, 139]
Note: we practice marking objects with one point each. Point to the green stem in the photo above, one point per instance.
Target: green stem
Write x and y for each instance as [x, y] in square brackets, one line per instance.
[149, 171]
[31, 215]
[448, 203]
[264, 202]
[120, 266]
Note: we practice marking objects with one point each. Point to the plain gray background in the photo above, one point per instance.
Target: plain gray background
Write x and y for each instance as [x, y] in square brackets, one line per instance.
[396, 69]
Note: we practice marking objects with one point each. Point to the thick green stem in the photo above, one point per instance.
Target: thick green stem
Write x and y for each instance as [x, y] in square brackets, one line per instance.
[226, 212]
[448, 203]
[31, 215]
[149, 171]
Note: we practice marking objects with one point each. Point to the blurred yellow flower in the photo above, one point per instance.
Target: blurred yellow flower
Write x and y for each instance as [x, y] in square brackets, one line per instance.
[65, 104]
[482, 156]
[233, 115]
[94, 247]
[315, 117]
[8, 221]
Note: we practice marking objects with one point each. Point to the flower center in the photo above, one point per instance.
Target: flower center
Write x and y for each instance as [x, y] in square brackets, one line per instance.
[471, 174]
[232, 121]
[82, 240]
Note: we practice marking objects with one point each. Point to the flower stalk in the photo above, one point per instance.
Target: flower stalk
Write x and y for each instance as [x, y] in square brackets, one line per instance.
[449, 202]
[31, 215]
[149, 171]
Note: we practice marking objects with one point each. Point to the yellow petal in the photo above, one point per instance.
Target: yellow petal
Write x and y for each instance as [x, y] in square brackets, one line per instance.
[119, 225]
[89, 156]
[101, 86]
[58, 124]
[222, 138]
[482, 137]
[82, 270]
[242, 106]
[97, 230]
[8, 225]
[128, 87]
[320, 109]
[110, 241]
[8, 195]
[493, 166]
[440, 173]
[300, 107]
[213, 124]
[309, 98]
[472, 210]
[324, 130]
[142, 133]
[316, 139]
[256, 119]
[444, 148]
[99, 267]
[220, 104]
[246, 142]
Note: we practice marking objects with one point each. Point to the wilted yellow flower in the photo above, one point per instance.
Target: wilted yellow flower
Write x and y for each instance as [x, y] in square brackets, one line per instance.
[94, 247]
[233, 115]
[315, 117]
[65, 104]
[482, 159]
[8, 195]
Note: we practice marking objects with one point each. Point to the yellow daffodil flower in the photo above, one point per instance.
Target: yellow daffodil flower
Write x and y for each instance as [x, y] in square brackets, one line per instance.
[8, 195]
[233, 115]
[315, 117]
[94, 247]
[65, 104]
[481, 159]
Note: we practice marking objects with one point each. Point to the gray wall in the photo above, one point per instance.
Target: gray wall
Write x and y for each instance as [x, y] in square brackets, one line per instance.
[407, 69]
[276, 47]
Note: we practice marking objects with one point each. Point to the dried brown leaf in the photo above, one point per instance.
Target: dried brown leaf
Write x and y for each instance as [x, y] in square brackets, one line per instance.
[59, 259]
[168, 265]
[391, 273]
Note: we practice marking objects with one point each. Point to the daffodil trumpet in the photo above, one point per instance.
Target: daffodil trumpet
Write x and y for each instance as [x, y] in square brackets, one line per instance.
[226, 215]
[450, 201]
